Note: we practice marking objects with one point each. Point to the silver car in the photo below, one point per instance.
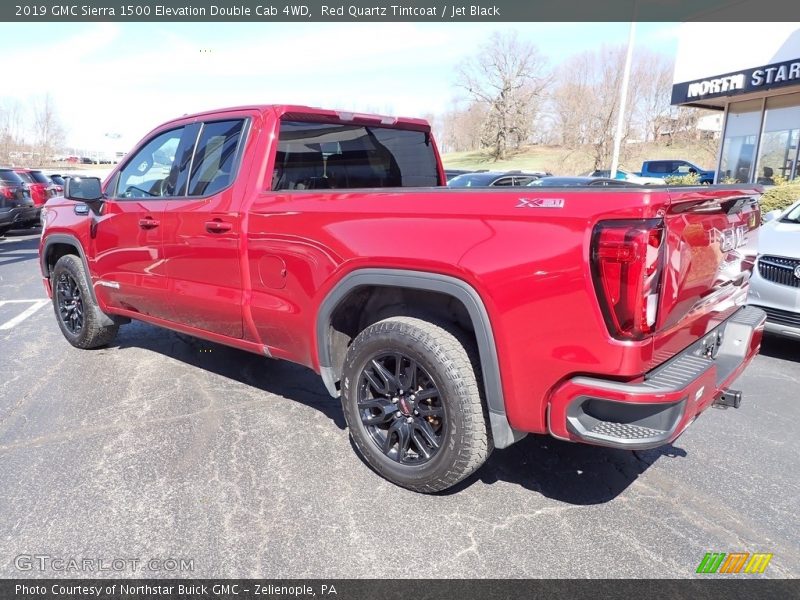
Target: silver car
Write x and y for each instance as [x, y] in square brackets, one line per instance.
[775, 284]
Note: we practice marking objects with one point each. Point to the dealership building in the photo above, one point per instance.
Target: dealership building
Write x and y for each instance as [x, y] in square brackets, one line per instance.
[751, 73]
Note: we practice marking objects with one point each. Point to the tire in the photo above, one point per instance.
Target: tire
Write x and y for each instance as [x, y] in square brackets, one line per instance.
[78, 317]
[4, 229]
[430, 435]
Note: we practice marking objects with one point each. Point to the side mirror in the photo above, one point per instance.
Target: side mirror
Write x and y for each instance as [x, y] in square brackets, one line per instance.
[772, 215]
[83, 189]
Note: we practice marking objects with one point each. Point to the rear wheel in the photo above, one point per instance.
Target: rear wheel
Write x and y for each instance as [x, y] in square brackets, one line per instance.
[79, 318]
[413, 405]
[4, 229]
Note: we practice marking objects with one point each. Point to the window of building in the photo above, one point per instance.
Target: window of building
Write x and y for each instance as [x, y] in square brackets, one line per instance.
[777, 156]
[739, 144]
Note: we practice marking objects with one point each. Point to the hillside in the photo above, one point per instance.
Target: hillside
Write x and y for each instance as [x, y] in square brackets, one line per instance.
[562, 161]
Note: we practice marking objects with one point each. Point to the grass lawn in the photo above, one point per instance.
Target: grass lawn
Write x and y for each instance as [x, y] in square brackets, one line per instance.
[562, 161]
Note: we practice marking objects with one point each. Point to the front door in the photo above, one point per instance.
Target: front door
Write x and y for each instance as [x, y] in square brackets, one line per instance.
[128, 237]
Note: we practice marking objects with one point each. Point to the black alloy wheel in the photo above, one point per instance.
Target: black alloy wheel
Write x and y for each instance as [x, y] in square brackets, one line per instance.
[70, 303]
[401, 408]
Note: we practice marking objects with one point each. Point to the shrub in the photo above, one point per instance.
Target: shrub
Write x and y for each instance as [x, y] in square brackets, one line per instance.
[688, 179]
[780, 197]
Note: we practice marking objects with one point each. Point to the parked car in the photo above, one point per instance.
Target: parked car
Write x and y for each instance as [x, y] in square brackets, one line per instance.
[16, 206]
[775, 283]
[58, 181]
[450, 173]
[627, 176]
[42, 189]
[580, 181]
[495, 178]
[449, 321]
[662, 169]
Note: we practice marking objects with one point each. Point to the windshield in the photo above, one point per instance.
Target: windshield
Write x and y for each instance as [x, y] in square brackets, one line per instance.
[793, 216]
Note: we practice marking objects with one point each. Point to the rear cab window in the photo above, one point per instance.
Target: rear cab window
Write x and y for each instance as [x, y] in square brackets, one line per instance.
[319, 155]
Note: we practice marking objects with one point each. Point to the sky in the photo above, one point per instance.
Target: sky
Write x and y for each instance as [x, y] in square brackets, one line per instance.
[113, 82]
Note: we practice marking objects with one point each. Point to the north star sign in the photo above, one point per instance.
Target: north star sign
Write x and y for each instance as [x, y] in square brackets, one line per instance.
[742, 82]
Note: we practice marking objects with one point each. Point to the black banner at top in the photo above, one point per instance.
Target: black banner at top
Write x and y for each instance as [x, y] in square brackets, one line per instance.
[398, 10]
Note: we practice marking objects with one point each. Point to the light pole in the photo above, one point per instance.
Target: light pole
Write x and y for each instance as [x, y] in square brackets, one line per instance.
[623, 98]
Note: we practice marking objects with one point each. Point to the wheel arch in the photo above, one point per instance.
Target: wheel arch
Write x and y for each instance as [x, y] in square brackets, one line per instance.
[53, 249]
[408, 280]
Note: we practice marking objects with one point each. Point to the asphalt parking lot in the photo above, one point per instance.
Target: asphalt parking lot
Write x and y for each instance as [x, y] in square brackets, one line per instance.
[164, 447]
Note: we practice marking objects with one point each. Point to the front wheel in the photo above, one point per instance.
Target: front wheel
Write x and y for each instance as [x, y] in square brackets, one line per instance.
[79, 318]
[412, 403]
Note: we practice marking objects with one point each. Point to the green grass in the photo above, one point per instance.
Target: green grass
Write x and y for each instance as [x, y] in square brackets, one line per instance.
[562, 161]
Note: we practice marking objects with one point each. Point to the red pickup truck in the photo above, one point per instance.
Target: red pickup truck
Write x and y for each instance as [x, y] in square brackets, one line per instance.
[450, 322]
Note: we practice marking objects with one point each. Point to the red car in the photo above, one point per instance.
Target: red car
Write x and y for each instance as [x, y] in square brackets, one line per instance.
[42, 189]
[449, 321]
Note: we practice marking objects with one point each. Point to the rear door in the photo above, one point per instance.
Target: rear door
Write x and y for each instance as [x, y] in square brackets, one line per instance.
[202, 229]
[128, 243]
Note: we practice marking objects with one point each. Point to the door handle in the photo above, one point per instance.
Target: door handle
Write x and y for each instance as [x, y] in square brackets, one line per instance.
[218, 226]
[148, 223]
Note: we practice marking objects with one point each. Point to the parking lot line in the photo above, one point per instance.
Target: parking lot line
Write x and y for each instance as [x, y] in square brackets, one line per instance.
[37, 304]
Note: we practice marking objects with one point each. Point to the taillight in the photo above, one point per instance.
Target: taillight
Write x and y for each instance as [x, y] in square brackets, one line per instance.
[627, 261]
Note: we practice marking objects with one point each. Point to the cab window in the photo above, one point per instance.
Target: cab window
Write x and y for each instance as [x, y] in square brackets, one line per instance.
[152, 171]
[215, 159]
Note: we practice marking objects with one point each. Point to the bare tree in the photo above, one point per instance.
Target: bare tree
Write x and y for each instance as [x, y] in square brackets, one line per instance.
[48, 130]
[508, 77]
[462, 127]
[12, 136]
[584, 102]
[653, 72]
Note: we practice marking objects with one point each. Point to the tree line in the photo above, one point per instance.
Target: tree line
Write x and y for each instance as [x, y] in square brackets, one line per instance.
[30, 133]
[510, 96]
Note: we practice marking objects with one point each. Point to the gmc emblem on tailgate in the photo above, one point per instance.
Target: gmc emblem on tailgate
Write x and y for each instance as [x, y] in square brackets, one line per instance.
[732, 238]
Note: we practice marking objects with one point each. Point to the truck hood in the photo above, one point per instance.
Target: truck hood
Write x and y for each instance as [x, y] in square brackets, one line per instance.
[780, 239]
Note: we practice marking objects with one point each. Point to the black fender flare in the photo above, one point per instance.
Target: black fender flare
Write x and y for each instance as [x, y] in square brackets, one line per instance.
[502, 432]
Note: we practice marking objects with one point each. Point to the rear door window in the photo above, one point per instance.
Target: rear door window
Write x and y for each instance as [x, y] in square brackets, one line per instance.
[216, 157]
[39, 177]
[344, 155]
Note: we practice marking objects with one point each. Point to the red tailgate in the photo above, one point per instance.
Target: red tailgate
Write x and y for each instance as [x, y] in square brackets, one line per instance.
[711, 248]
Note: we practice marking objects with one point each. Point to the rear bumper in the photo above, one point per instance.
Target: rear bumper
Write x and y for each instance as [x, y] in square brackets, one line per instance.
[656, 410]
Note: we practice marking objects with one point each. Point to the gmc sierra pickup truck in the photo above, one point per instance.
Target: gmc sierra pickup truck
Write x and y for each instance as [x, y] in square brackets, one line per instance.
[449, 321]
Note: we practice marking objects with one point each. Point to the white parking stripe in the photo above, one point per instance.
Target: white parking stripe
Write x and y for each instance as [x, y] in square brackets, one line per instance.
[24, 314]
[22, 301]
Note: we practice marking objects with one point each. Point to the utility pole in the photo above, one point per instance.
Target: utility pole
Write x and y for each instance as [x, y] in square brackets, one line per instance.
[623, 98]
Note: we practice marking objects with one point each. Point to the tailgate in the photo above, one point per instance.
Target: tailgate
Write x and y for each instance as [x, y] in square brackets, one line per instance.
[712, 235]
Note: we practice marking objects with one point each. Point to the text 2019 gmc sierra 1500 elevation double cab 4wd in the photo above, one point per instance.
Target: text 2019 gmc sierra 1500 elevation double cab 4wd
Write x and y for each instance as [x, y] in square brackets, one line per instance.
[450, 322]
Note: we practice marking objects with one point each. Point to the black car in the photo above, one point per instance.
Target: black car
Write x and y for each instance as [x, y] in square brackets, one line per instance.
[496, 178]
[581, 181]
[16, 205]
[450, 173]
